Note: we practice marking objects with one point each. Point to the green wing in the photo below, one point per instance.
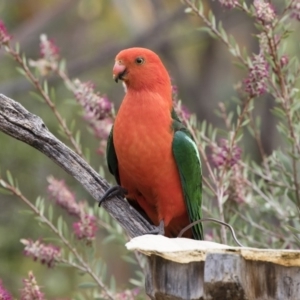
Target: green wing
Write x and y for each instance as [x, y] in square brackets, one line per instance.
[112, 160]
[189, 165]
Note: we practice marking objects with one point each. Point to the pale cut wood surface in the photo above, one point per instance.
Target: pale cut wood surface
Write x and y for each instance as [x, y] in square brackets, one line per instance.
[181, 268]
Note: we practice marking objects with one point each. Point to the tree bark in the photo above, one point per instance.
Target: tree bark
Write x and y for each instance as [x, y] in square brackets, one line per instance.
[20, 124]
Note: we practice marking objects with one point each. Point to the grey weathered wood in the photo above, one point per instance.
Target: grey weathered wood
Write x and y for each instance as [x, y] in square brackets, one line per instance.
[19, 123]
[221, 277]
[167, 279]
[182, 269]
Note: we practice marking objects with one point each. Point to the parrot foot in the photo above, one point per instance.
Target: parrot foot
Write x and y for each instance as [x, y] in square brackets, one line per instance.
[112, 192]
[159, 230]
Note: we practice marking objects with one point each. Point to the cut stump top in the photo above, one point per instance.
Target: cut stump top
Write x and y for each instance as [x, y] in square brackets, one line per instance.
[185, 269]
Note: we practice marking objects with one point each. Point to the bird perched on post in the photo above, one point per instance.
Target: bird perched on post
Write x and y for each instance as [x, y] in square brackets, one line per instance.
[150, 152]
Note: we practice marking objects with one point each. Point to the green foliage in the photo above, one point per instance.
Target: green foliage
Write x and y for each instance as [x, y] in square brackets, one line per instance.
[260, 198]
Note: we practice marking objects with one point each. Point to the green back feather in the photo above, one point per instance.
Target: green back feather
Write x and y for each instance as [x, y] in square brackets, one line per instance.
[189, 166]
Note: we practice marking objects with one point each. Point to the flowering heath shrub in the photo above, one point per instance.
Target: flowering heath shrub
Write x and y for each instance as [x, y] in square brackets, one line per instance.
[259, 198]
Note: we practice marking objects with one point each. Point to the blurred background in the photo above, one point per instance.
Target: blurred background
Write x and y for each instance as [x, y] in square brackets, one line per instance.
[89, 34]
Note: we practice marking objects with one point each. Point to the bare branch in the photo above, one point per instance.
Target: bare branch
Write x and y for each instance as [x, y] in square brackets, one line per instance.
[19, 123]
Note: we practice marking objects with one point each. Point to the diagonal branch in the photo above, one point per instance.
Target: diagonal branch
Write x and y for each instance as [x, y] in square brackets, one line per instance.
[19, 123]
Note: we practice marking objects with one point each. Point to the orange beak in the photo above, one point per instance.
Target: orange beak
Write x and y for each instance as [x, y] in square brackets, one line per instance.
[119, 70]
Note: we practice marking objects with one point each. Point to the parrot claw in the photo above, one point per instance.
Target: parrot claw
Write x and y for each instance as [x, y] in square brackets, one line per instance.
[159, 230]
[112, 192]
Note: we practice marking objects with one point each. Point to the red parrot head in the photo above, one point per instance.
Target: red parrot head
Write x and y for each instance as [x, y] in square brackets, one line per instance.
[140, 68]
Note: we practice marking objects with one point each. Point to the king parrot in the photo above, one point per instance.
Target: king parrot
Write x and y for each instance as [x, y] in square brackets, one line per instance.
[151, 154]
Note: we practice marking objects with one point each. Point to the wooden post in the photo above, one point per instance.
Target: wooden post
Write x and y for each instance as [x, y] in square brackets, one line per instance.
[183, 269]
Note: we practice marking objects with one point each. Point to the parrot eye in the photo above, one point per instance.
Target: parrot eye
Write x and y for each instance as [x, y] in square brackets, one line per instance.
[139, 60]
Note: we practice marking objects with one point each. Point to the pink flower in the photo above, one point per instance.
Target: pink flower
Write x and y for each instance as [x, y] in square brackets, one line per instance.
[228, 3]
[264, 11]
[31, 290]
[128, 294]
[263, 42]
[49, 57]
[223, 155]
[46, 254]
[255, 84]
[101, 130]
[4, 294]
[4, 36]
[59, 192]
[96, 107]
[295, 10]
[180, 109]
[174, 93]
[237, 188]
[48, 50]
[98, 111]
[284, 60]
[85, 228]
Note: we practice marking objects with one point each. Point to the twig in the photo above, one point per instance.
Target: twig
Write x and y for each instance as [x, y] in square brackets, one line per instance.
[286, 106]
[259, 227]
[240, 121]
[211, 220]
[277, 208]
[45, 96]
[224, 115]
[258, 140]
[213, 29]
[83, 264]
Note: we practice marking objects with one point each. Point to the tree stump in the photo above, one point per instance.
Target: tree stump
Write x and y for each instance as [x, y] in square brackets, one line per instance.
[184, 269]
